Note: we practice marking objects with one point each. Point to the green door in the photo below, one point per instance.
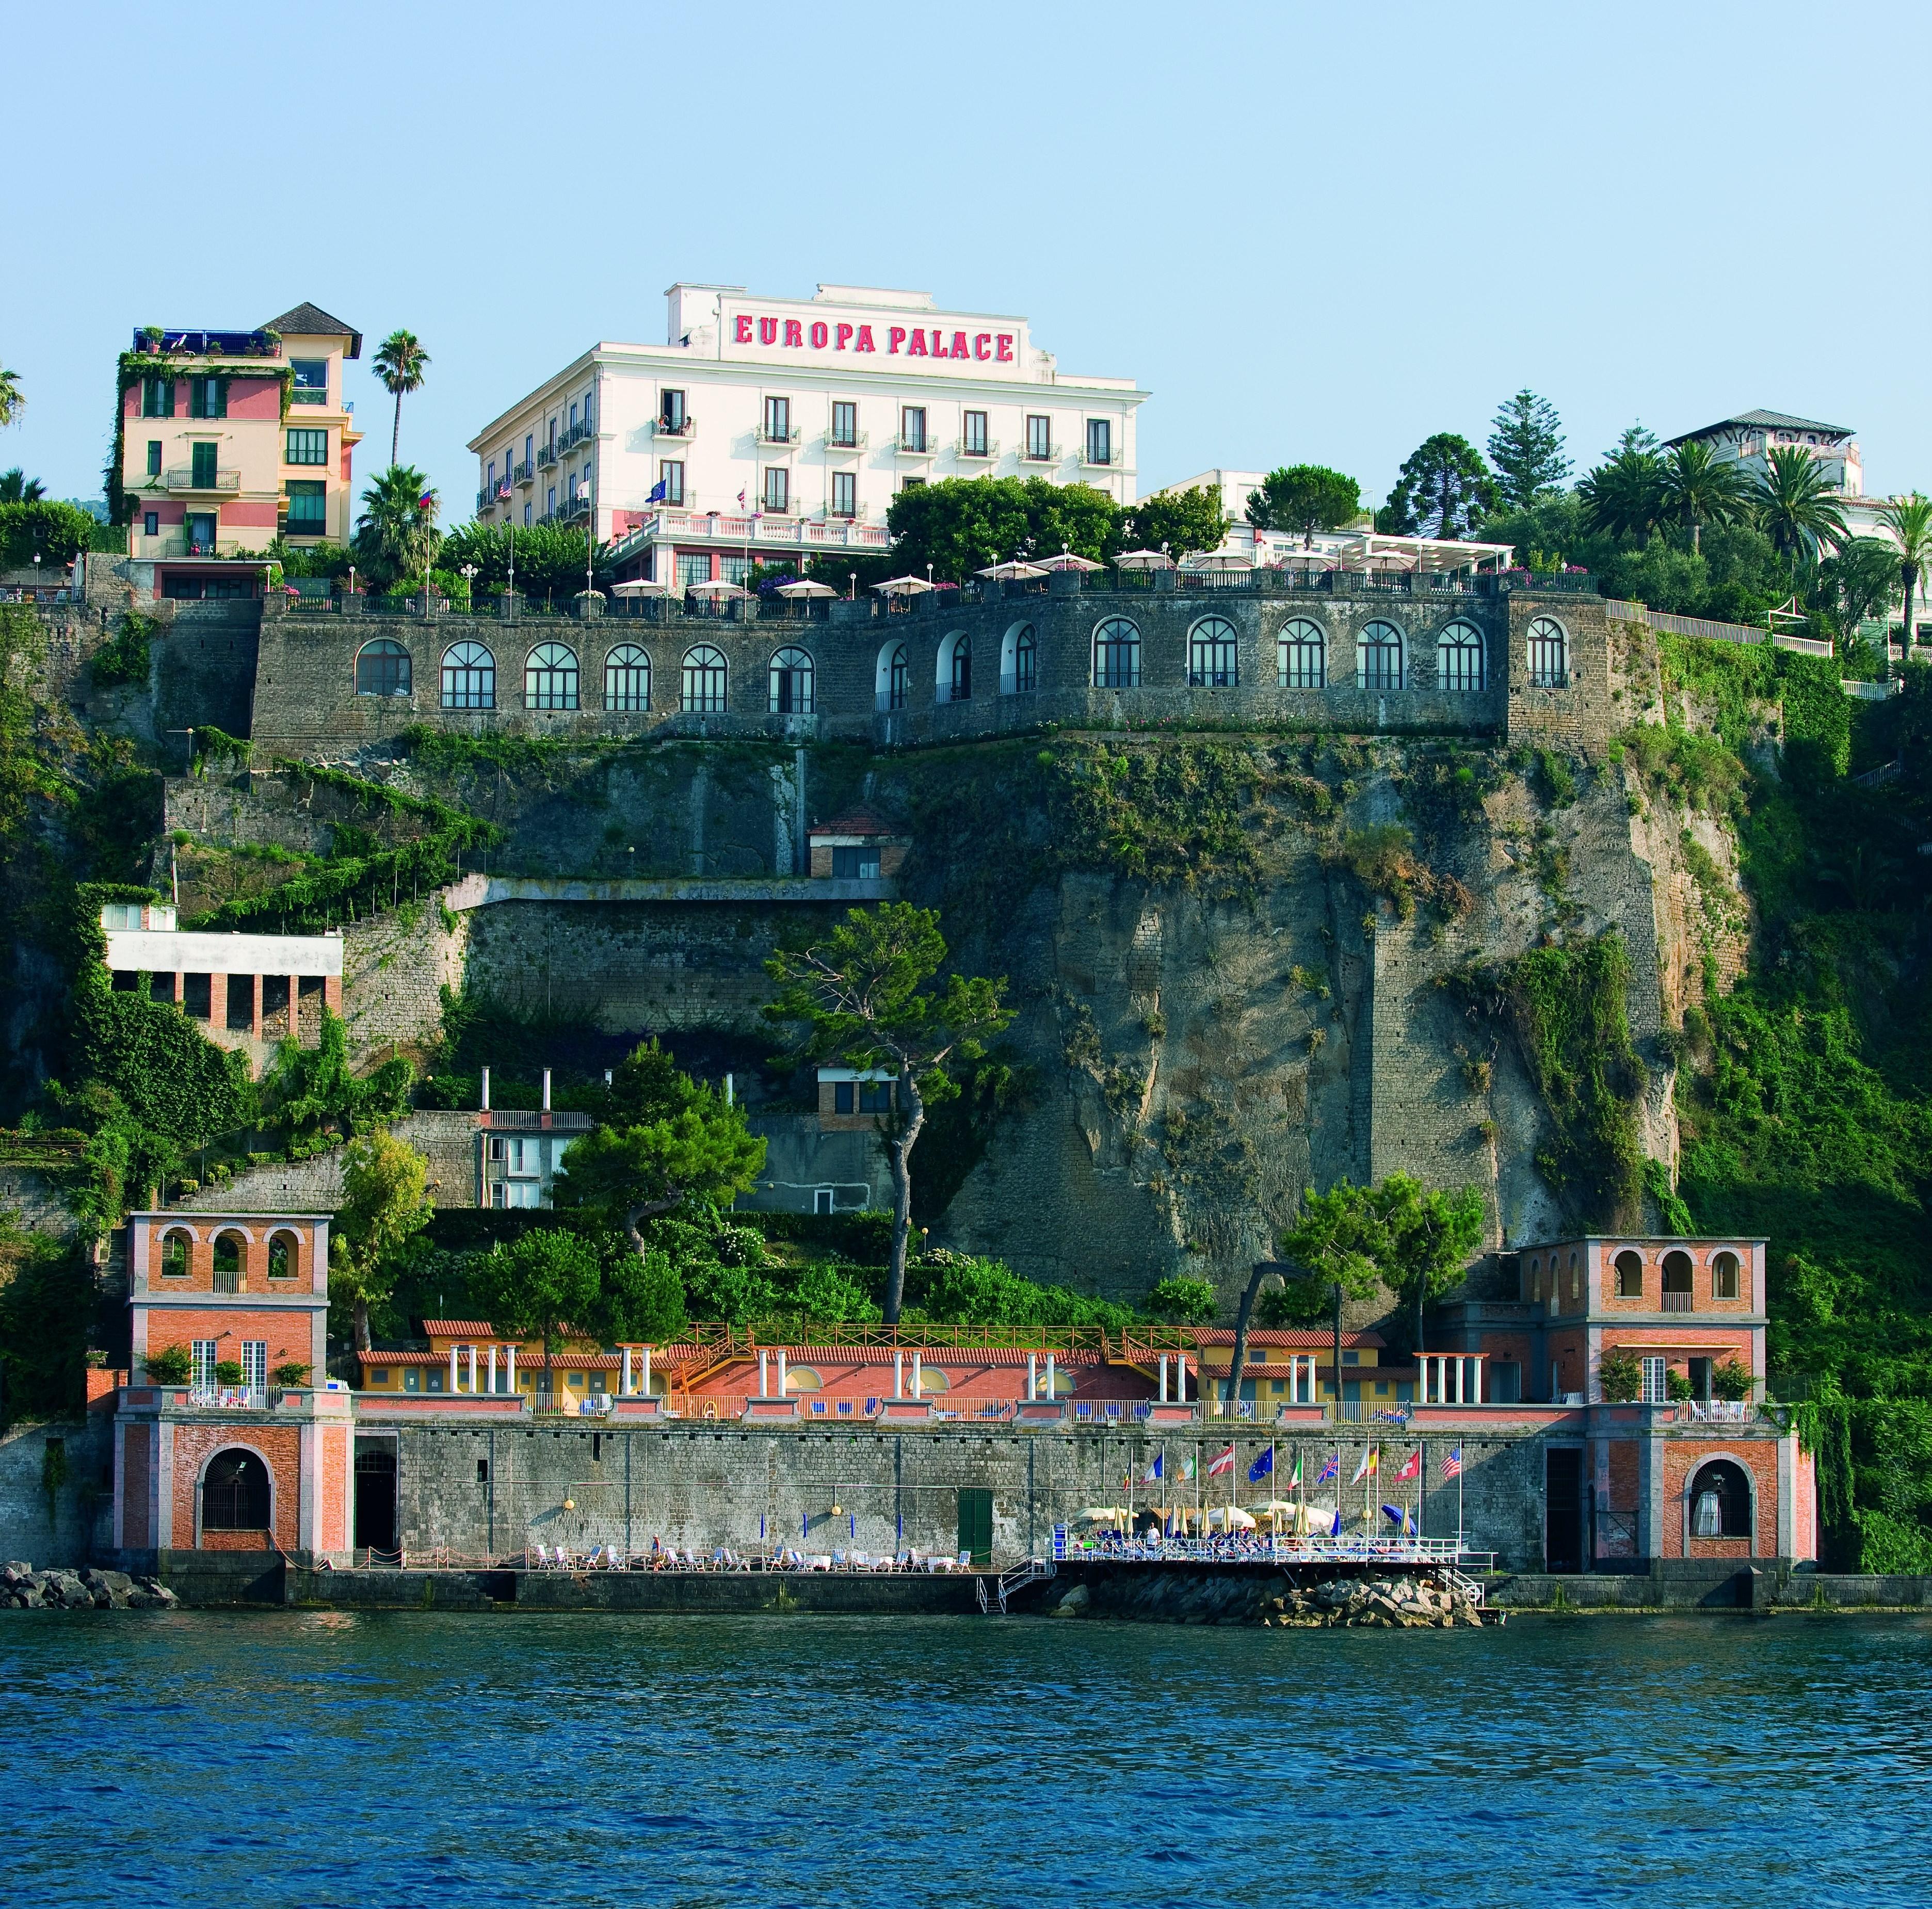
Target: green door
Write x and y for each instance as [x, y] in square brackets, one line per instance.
[976, 1524]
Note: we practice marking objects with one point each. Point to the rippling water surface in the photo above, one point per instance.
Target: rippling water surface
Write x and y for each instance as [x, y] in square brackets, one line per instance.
[400, 1759]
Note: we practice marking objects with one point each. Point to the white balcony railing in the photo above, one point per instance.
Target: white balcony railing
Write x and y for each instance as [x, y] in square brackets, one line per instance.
[229, 1398]
[183, 478]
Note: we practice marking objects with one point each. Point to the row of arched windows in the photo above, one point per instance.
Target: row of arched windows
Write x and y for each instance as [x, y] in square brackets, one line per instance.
[551, 673]
[550, 678]
[229, 1257]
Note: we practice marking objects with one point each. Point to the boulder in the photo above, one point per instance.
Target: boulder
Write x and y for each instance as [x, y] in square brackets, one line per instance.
[1076, 1603]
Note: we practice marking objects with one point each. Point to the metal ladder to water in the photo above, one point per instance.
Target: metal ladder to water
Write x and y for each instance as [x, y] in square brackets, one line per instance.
[1029, 1571]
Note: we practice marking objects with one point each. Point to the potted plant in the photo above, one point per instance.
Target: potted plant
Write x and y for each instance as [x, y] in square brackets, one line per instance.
[169, 1365]
[150, 340]
[292, 1376]
[1619, 1376]
[1731, 1380]
[228, 1372]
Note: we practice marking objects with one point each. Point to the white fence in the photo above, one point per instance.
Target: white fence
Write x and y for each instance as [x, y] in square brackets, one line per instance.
[1625, 612]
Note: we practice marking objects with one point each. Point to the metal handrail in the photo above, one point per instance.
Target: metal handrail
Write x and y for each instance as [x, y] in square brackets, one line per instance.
[181, 478]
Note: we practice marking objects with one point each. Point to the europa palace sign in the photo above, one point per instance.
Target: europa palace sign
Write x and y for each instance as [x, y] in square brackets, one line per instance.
[868, 336]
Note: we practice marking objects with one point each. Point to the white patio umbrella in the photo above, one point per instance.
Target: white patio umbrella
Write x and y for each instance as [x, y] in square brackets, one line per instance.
[1102, 1515]
[641, 586]
[719, 587]
[1012, 571]
[1144, 560]
[806, 589]
[1221, 560]
[1229, 1517]
[903, 586]
[1066, 560]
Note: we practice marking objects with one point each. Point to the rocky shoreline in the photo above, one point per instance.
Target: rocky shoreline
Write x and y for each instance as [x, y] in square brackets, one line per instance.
[59, 1588]
[1429, 1601]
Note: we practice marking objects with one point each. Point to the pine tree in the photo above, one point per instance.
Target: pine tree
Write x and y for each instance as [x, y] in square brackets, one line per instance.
[1526, 448]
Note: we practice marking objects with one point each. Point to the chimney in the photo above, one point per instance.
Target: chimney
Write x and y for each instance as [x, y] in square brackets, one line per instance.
[546, 1105]
[486, 1090]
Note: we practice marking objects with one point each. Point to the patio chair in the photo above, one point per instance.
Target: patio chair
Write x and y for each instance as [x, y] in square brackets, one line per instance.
[844, 1408]
[872, 1406]
[1081, 1411]
[818, 1408]
[965, 1560]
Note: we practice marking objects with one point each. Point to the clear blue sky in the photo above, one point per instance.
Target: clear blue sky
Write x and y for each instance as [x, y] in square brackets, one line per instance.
[1314, 234]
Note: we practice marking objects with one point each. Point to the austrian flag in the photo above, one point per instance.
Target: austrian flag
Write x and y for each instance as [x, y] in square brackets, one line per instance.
[1222, 1461]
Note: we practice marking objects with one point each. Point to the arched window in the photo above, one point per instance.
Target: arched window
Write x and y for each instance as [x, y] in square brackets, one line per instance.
[1018, 661]
[1535, 1279]
[1677, 1272]
[802, 1378]
[228, 1263]
[382, 668]
[1459, 658]
[174, 1256]
[235, 1493]
[892, 677]
[1630, 1275]
[931, 1380]
[791, 683]
[1379, 658]
[1548, 654]
[1721, 1501]
[1301, 655]
[469, 677]
[704, 682]
[953, 681]
[1117, 654]
[550, 678]
[627, 679]
[284, 1256]
[1212, 662]
[1724, 1276]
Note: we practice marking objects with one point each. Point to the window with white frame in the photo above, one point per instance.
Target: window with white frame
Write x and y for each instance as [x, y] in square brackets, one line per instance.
[206, 1359]
[1656, 1381]
[255, 1363]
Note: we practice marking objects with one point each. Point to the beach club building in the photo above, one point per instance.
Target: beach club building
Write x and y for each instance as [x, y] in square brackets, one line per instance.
[770, 429]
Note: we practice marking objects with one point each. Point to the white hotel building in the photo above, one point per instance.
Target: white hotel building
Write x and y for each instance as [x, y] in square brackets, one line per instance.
[771, 429]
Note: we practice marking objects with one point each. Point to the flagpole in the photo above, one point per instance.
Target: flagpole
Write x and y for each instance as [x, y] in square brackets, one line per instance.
[1422, 1488]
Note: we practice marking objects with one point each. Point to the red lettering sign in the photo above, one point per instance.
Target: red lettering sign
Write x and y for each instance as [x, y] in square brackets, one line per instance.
[1005, 342]
[819, 335]
[938, 345]
[768, 331]
[742, 334]
[959, 346]
[981, 340]
[917, 348]
[844, 337]
[794, 332]
[865, 343]
[895, 338]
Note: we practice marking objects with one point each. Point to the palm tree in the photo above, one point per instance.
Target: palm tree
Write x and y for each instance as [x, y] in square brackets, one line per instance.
[396, 535]
[400, 362]
[13, 400]
[17, 487]
[1795, 504]
[1909, 521]
[1702, 490]
[1624, 495]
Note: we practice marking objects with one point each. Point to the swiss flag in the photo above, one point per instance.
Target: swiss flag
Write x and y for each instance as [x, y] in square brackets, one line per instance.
[1413, 1468]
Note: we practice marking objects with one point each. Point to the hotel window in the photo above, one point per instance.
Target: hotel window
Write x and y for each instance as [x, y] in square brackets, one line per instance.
[777, 488]
[1656, 1384]
[627, 679]
[311, 380]
[255, 1363]
[157, 397]
[573, 417]
[894, 675]
[844, 426]
[528, 508]
[735, 570]
[550, 678]
[201, 538]
[1213, 661]
[1724, 1276]
[382, 668]
[791, 683]
[844, 493]
[208, 397]
[918, 483]
[777, 420]
[201, 473]
[1023, 676]
[150, 523]
[704, 681]
[912, 428]
[1301, 655]
[530, 447]
[1379, 658]
[308, 507]
[469, 677]
[1117, 654]
[1548, 658]
[206, 1353]
[670, 474]
[1630, 1276]
[670, 411]
[693, 567]
[1040, 438]
[1099, 441]
[153, 457]
[1458, 659]
[550, 501]
[972, 439]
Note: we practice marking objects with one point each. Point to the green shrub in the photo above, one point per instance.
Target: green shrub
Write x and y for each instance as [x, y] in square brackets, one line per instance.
[1182, 1301]
[1620, 1376]
[169, 1365]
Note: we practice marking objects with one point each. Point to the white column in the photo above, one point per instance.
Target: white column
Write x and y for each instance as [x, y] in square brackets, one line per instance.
[1052, 1391]
[452, 1368]
[486, 1090]
[1476, 1377]
[510, 1377]
[1180, 1376]
[782, 1372]
[898, 1374]
[647, 1371]
[624, 1383]
[1032, 1376]
[472, 1371]
[1163, 1378]
[1457, 1381]
[546, 1090]
[492, 1386]
[917, 1391]
[764, 1359]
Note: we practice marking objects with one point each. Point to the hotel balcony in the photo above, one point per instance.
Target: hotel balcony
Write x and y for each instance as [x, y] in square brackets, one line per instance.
[524, 473]
[182, 477]
[1091, 460]
[546, 455]
[914, 447]
[490, 496]
[1047, 453]
[847, 447]
[573, 507]
[780, 440]
[576, 435]
[1678, 1302]
[308, 394]
[984, 451]
[760, 532]
[681, 428]
[177, 543]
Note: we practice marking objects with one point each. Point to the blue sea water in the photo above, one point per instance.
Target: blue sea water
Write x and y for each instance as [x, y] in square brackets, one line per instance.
[325, 1758]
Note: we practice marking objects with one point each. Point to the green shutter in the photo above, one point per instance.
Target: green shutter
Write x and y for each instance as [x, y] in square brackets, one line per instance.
[202, 473]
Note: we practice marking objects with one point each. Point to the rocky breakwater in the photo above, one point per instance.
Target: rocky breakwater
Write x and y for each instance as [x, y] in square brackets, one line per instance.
[22, 1588]
[1430, 1601]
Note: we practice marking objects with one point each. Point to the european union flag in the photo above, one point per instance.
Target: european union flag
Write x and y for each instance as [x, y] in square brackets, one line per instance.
[1262, 1467]
[657, 493]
